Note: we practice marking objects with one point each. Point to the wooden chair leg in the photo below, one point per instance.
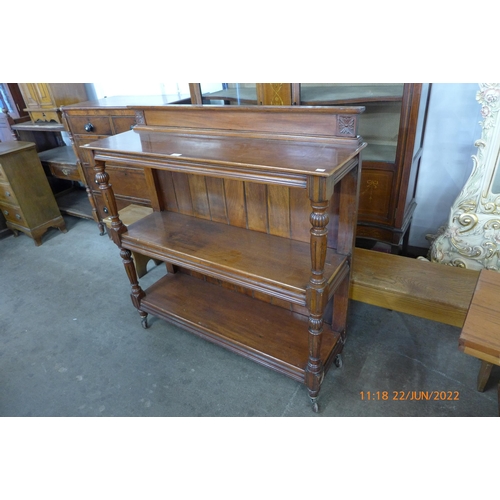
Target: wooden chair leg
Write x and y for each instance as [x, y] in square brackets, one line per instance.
[484, 375]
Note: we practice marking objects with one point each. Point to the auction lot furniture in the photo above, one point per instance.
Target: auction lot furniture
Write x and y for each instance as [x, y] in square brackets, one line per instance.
[480, 335]
[254, 211]
[26, 199]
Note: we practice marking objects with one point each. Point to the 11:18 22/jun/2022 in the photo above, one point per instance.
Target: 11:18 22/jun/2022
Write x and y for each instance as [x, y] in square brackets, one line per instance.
[409, 395]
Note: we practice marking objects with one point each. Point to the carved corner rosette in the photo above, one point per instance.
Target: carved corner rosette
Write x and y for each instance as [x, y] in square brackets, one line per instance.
[347, 125]
[139, 117]
[472, 236]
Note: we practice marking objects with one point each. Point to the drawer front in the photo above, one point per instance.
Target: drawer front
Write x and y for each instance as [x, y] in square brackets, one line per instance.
[12, 214]
[45, 116]
[123, 123]
[92, 125]
[126, 181]
[84, 154]
[69, 172]
[7, 195]
[121, 203]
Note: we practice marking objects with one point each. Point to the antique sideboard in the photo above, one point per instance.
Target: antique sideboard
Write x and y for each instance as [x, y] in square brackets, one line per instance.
[254, 213]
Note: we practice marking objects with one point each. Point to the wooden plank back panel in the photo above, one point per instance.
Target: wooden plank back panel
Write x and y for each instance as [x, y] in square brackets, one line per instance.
[255, 196]
[235, 202]
[277, 210]
[216, 199]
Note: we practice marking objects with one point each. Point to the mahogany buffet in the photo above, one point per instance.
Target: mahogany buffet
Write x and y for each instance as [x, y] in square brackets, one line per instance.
[254, 214]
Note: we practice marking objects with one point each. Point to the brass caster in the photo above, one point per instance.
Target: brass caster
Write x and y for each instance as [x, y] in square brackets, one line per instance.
[338, 361]
[315, 407]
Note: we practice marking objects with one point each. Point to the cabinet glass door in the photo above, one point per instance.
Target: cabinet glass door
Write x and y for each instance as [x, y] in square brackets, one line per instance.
[378, 125]
[229, 93]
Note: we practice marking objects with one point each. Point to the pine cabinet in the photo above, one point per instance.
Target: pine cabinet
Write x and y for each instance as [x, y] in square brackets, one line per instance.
[26, 200]
[43, 100]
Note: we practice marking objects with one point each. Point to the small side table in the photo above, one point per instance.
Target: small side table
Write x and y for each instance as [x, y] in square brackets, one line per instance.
[480, 336]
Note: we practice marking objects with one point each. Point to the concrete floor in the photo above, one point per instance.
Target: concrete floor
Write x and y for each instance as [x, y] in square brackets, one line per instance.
[71, 344]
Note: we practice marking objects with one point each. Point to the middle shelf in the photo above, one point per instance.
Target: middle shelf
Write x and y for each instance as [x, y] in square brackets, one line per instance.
[279, 267]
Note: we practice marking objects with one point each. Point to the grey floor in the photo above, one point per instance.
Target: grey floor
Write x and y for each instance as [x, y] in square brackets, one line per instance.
[71, 344]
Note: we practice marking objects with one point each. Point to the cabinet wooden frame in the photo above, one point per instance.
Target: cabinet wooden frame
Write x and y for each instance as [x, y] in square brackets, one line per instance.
[254, 211]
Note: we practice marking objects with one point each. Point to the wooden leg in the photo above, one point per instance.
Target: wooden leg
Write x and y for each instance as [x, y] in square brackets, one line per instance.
[484, 375]
[316, 299]
[137, 292]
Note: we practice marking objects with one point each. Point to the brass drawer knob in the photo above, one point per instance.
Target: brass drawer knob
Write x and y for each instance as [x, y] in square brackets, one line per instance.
[89, 127]
[18, 217]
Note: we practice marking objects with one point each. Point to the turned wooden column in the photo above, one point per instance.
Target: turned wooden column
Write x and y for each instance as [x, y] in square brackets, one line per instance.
[110, 208]
[320, 192]
[117, 228]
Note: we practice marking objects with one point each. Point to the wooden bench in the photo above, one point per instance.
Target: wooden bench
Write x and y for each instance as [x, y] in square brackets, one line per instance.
[425, 289]
[480, 336]
[451, 295]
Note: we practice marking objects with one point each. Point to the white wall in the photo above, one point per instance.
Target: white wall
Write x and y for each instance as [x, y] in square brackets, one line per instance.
[451, 130]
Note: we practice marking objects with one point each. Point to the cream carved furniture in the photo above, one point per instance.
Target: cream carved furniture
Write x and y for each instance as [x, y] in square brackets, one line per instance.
[471, 238]
[254, 212]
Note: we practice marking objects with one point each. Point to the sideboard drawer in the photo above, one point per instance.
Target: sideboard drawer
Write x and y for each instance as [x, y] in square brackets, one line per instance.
[13, 214]
[94, 125]
[126, 181]
[69, 172]
[80, 140]
[7, 195]
[123, 123]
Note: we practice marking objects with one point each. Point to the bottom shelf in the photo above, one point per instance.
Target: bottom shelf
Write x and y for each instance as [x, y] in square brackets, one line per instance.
[270, 335]
[75, 201]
